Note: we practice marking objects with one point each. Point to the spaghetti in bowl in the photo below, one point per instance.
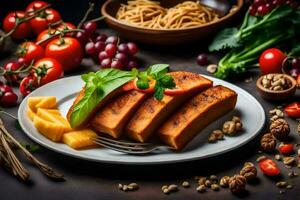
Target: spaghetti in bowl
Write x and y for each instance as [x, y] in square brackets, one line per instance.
[168, 22]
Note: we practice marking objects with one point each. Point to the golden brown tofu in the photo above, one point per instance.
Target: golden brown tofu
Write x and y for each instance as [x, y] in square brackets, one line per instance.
[196, 114]
[103, 102]
[113, 117]
[152, 113]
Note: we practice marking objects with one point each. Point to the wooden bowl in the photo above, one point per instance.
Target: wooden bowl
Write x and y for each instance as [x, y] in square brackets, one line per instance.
[171, 36]
[276, 95]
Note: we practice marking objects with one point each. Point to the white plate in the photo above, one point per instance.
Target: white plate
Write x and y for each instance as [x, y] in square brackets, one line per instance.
[248, 108]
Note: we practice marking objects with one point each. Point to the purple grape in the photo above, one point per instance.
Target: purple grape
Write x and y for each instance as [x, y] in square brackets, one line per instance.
[132, 48]
[112, 40]
[122, 57]
[296, 63]
[82, 37]
[131, 64]
[101, 37]
[90, 28]
[111, 49]
[106, 63]
[123, 48]
[294, 72]
[99, 46]
[202, 59]
[117, 64]
[102, 55]
[90, 48]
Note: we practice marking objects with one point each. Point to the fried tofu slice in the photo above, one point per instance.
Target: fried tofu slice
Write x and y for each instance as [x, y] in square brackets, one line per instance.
[196, 114]
[113, 117]
[152, 113]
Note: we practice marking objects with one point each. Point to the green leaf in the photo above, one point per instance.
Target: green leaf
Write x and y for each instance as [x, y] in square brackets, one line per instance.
[159, 90]
[228, 38]
[167, 81]
[98, 86]
[158, 68]
[30, 147]
[142, 84]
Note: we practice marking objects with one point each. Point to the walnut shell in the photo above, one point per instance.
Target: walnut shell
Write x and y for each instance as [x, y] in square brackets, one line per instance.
[249, 171]
[268, 142]
[237, 184]
[280, 129]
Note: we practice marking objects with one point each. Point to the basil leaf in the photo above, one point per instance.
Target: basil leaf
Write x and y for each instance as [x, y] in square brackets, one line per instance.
[159, 90]
[158, 68]
[168, 81]
[98, 86]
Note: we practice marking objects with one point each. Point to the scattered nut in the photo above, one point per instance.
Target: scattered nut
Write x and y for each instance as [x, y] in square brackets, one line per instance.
[224, 182]
[215, 135]
[120, 186]
[164, 187]
[212, 68]
[186, 184]
[208, 183]
[289, 186]
[173, 188]
[202, 180]
[288, 160]
[280, 129]
[249, 171]
[292, 174]
[268, 142]
[213, 177]
[166, 191]
[237, 183]
[233, 126]
[134, 186]
[129, 187]
[277, 157]
[275, 82]
[125, 188]
[201, 188]
[215, 187]
[281, 184]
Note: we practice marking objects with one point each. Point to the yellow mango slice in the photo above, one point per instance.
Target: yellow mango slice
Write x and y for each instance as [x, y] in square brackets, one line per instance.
[33, 101]
[53, 131]
[30, 113]
[54, 116]
[48, 102]
[79, 139]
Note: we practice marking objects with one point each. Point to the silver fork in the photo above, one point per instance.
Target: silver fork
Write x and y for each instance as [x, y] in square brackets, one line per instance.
[128, 147]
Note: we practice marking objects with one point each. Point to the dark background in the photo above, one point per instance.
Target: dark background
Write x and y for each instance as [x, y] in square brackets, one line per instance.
[88, 180]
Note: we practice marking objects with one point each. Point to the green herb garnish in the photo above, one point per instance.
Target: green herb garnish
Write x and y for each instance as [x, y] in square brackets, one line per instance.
[279, 27]
[98, 85]
[30, 147]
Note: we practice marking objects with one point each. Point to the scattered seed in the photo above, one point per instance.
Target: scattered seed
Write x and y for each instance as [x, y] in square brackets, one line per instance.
[260, 158]
[208, 183]
[166, 191]
[173, 188]
[281, 184]
[120, 186]
[164, 187]
[289, 186]
[212, 68]
[186, 184]
[215, 187]
[292, 174]
[125, 188]
[201, 188]
[134, 186]
[277, 157]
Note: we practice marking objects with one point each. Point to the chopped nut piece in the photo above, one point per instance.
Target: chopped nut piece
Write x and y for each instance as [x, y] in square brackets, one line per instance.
[233, 126]
[125, 188]
[212, 138]
[288, 160]
[292, 174]
[201, 188]
[268, 142]
[166, 191]
[280, 129]
[276, 82]
[173, 188]
[202, 181]
[208, 183]
[134, 186]
[213, 177]
[289, 186]
[164, 187]
[212, 68]
[249, 171]
[215, 187]
[277, 157]
[224, 182]
[281, 184]
[237, 183]
[120, 186]
[185, 184]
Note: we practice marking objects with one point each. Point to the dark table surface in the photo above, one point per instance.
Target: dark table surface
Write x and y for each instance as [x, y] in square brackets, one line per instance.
[89, 180]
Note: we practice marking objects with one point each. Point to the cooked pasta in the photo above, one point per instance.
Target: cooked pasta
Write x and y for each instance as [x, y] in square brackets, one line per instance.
[150, 14]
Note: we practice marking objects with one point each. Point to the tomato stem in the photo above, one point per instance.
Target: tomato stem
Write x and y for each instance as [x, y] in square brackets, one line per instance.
[63, 32]
[86, 15]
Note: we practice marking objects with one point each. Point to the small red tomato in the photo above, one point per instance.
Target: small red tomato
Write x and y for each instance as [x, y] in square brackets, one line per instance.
[293, 110]
[27, 85]
[286, 148]
[9, 22]
[66, 26]
[44, 35]
[47, 70]
[40, 23]
[9, 70]
[36, 5]
[30, 52]
[269, 167]
[271, 60]
[5, 88]
[9, 99]
[67, 51]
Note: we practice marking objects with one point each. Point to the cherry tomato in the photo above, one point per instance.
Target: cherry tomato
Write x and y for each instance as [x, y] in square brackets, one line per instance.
[293, 110]
[44, 35]
[40, 23]
[67, 51]
[271, 60]
[30, 51]
[269, 167]
[5, 89]
[66, 26]
[35, 5]
[9, 99]
[47, 70]
[9, 22]
[286, 148]
[27, 85]
[9, 70]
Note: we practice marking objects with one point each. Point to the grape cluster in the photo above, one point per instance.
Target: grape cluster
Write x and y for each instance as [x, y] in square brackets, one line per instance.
[263, 7]
[107, 49]
[7, 96]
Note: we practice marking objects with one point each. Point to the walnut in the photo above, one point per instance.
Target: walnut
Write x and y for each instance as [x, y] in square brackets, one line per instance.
[215, 135]
[237, 183]
[249, 171]
[233, 126]
[224, 182]
[280, 129]
[268, 142]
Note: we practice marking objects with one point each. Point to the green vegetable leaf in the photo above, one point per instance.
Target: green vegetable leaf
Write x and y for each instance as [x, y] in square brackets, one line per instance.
[142, 84]
[98, 86]
[228, 38]
[159, 90]
[167, 81]
[158, 68]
